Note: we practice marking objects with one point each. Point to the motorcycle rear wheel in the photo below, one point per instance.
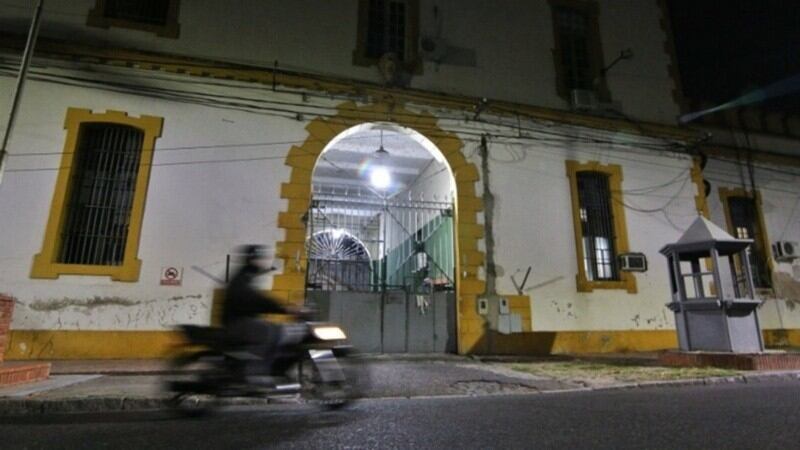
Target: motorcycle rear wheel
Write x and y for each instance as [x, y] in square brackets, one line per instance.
[195, 382]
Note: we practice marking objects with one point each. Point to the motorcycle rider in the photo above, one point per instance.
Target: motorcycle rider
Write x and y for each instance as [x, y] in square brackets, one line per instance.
[244, 304]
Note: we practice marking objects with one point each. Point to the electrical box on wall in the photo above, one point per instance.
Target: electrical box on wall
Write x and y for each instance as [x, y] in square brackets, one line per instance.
[633, 262]
[504, 309]
[483, 306]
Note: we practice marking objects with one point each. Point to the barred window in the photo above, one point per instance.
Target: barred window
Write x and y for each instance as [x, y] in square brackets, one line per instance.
[572, 31]
[153, 12]
[156, 16]
[597, 226]
[744, 220]
[387, 26]
[386, 30]
[102, 189]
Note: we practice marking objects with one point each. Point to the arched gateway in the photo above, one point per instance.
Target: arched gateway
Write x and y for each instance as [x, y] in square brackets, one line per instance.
[382, 229]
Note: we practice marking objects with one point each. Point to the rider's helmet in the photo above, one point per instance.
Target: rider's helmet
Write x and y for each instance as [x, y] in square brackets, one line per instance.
[255, 255]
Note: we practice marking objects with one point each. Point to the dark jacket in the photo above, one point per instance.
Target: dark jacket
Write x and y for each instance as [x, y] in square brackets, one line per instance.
[242, 299]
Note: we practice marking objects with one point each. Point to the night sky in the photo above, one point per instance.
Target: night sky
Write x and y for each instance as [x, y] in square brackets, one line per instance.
[728, 47]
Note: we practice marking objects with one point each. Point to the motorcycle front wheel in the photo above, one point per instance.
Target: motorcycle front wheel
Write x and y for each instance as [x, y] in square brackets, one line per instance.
[330, 395]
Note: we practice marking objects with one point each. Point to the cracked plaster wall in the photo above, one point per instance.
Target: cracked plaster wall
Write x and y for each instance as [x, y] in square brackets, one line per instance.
[534, 227]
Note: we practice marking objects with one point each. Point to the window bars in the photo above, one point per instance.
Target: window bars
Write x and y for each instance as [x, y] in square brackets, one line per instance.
[374, 244]
[386, 31]
[102, 189]
[597, 226]
[572, 28]
[143, 11]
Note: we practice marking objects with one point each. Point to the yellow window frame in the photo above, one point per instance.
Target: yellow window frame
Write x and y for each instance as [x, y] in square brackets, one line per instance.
[44, 263]
[627, 280]
[171, 29]
[727, 193]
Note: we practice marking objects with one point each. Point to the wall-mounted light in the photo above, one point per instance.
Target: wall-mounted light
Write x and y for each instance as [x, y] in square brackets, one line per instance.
[381, 152]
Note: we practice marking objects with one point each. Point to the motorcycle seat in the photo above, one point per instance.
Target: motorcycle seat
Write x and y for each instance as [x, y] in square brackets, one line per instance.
[211, 336]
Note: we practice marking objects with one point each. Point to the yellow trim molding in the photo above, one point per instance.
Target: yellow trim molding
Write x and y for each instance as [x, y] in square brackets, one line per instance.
[51, 344]
[669, 48]
[724, 195]
[81, 344]
[341, 86]
[700, 200]
[170, 29]
[45, 263]
[627, 280]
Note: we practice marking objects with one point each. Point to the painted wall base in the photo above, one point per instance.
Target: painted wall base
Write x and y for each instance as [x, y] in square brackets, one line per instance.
[44, 344]
[49, 345]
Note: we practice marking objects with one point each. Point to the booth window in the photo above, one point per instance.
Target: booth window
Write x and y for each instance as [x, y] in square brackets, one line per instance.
[97, 209]
[387, 26]
[157, 16]
[599, 224]
[745, 221]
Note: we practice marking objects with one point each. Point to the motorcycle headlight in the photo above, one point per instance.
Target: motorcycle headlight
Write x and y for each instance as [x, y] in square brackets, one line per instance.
[329, 333]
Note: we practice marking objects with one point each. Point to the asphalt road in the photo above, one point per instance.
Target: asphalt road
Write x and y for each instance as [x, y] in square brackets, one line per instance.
[760, 415]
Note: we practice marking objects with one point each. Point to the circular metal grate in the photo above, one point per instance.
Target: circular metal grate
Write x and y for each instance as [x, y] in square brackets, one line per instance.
[336, 245]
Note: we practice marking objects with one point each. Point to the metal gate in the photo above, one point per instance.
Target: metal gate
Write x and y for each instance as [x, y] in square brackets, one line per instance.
[384, 268]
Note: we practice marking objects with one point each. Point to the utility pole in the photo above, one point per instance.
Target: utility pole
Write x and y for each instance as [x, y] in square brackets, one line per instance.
[23, 71]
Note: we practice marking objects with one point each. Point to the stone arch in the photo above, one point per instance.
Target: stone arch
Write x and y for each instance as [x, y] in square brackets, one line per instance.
[301, 159]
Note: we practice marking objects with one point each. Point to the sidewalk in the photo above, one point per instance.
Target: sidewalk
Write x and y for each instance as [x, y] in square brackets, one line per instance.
[100, 386]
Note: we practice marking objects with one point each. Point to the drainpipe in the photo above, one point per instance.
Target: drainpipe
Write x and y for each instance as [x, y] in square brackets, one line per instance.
[491, 269]
[488, 209]
[23, 71]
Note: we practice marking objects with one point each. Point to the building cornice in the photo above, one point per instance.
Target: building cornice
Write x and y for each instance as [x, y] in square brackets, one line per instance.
[125, 57]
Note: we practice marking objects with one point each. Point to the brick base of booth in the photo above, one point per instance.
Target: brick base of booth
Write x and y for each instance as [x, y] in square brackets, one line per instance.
[746, 361]
[23, 372]
[16, 372]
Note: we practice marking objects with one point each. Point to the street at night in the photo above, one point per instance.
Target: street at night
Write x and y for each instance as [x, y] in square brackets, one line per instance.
[443, 224]
[731, 416]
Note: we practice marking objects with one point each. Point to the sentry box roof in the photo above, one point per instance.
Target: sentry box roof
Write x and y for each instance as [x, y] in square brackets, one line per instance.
[702, 236]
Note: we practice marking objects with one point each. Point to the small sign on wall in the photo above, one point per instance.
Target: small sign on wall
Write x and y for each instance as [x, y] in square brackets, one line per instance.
[171, 276]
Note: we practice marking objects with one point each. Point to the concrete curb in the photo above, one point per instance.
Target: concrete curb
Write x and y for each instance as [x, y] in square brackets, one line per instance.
[31, 406]
[793, 375]
[104, 404]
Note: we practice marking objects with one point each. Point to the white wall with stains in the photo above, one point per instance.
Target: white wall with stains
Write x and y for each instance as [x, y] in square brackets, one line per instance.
[534, 228]
[216, 179]
[214, 184]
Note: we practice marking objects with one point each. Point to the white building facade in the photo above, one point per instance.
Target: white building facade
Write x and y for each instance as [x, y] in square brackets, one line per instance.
[151, 142]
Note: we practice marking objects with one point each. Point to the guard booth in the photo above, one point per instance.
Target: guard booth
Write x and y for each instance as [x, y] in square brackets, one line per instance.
[715, 309]
[383, 269]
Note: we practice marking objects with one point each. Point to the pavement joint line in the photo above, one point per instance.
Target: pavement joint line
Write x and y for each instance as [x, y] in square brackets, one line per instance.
[101, 404]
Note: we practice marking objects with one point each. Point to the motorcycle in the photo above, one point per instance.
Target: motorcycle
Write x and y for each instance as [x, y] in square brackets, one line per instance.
[318, 365]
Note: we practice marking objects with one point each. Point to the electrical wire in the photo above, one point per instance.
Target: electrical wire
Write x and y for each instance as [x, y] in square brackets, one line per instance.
[662, 208]
[185, 96]
[563, 137]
